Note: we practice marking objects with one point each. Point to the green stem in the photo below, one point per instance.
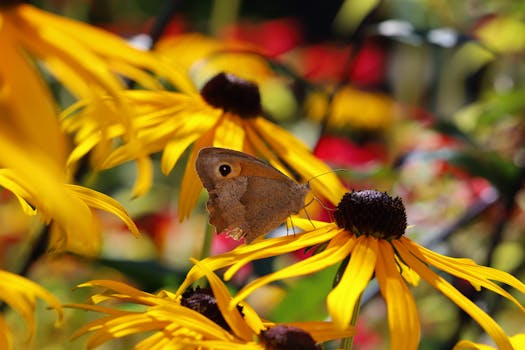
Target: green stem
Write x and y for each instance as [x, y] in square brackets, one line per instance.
[347, 342]
[206, 245]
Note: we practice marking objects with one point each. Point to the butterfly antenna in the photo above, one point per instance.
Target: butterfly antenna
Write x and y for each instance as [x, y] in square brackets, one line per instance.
[325, 173]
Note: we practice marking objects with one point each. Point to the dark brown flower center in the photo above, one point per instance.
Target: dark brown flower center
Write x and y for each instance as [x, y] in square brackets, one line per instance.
[203, 301]
[233, 94]
[284, 337]
[4, 4]
[372, 213]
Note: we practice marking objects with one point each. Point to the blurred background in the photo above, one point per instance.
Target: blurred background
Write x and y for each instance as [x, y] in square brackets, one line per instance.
[423, 99]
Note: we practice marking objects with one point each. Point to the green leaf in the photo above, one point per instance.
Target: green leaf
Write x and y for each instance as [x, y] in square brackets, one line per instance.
[305, 300]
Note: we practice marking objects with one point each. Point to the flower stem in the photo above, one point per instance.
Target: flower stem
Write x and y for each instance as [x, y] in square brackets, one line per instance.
[206, 245]
[38, 249]
[348, 342]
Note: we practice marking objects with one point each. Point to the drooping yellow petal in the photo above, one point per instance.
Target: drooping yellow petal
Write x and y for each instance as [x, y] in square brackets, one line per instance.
[255, 140]
[70, 51]
[104, 202]
[259, 250]
[342, 299]
[103, 44]
[470, 345]
[191, 185]
[408, 253]
[122, 288]
[21, 294]
[328, 257]
[223, 298]
[144, 176]
[229, 132]
[297, 155]
[408, 274]
[174, 150]
[37, 175]
[470, 271]
[403, 319]
[518, 341]
[22, 83]
[281, 245]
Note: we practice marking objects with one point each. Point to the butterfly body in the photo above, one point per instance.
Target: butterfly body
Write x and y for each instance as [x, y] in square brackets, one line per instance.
[247, 197]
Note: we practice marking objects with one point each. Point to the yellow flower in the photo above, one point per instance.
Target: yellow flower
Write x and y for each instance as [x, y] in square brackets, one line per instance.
[368, 236]
[203, 57]
[518, 341]
[82, 57]
[33, 159]
[226, 114]
[195, 320]
[352, 108]
[20, 294]
[88, 61]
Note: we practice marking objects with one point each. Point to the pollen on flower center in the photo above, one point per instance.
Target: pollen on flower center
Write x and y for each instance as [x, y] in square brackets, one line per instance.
[233, 94]
[372, 213]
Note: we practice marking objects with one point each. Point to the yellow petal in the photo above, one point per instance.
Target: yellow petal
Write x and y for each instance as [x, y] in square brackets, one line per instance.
[258, 250]
[104, 202]
[470, 271]
[328, 257]
[222, 295]
[403, 319]
[518, 341]
[281, 245]
[174, 150]
[191, 185]
[144, 176]
[229, 133]
[485, 321]
[297, 156]
[21, 83]
[20, 294]
[342, 299]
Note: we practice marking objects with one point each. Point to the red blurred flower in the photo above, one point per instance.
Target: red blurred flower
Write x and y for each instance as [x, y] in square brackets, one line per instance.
[342, 152]
[329, 62]
[369, 66]
[273, 37]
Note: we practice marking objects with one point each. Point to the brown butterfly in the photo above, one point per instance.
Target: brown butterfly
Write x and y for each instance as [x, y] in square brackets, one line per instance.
[247, 197]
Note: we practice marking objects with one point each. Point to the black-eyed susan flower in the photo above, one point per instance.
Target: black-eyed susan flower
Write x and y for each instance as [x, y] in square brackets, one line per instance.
[20, 294]
[226, 114]
[368, 235]
[202, 57]
[33, 159]
[198, 319]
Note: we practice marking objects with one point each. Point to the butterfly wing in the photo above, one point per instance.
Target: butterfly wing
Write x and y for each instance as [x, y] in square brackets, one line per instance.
[268, 203]
[227, 212]
[247, 197]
